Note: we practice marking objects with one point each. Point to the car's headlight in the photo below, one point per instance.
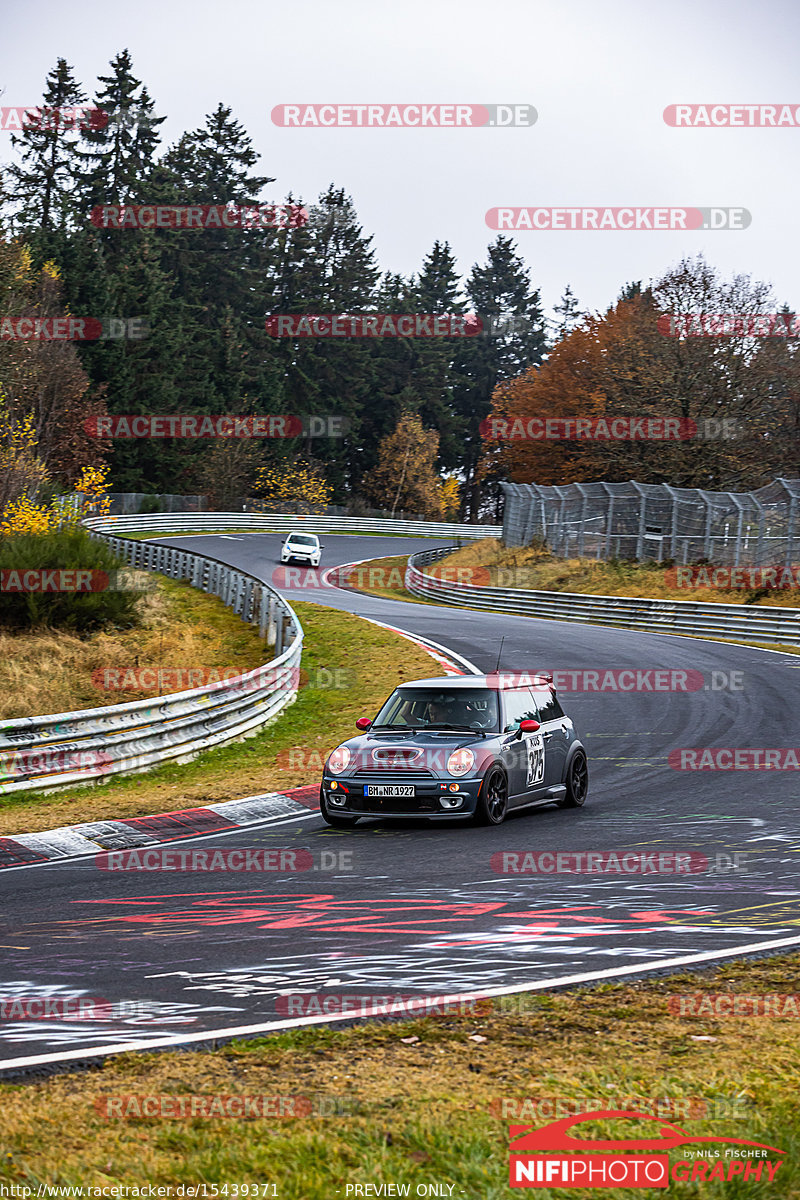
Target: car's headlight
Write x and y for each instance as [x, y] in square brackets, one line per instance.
[338, 760]
[460, 761]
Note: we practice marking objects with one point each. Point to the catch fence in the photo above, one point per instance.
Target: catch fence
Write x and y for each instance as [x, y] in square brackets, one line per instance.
[656, 521]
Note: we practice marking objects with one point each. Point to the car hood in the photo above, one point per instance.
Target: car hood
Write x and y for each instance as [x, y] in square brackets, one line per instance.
[432, 745]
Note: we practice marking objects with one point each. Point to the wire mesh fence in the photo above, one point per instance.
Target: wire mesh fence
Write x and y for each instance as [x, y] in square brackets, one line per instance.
[655, 521]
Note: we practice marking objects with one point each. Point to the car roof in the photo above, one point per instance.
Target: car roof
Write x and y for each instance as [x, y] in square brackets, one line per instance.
[301, 533]
[498, 681]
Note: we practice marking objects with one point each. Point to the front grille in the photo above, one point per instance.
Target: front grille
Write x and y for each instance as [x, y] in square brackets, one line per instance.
[393, 804]
[392, 775]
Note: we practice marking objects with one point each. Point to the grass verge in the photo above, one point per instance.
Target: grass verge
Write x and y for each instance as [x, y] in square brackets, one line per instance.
[179, 628]
[384, 576]
[351, 667]
[534, 569]
[421, 1102]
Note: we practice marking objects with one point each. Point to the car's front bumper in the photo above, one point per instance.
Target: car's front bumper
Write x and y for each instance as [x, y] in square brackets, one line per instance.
[348, 797]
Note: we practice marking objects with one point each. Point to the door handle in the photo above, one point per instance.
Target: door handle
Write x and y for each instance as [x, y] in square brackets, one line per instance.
[547, 736]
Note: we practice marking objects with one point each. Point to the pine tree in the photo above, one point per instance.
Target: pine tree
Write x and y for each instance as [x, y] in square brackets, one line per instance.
[438, 290]
[119, 155]
[328, 266]
[568, 314]
[42, 185]
[500, 289]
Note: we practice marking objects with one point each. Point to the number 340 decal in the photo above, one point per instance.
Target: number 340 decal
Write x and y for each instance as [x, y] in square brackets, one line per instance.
[535, 751]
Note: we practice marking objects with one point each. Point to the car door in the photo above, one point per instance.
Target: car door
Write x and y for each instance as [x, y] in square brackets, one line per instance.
[524, 757]
[556, 734]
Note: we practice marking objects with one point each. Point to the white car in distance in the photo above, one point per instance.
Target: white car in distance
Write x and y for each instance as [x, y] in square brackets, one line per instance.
[302, 548]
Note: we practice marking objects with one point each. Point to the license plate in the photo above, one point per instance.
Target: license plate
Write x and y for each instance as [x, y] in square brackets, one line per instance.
[389, 789]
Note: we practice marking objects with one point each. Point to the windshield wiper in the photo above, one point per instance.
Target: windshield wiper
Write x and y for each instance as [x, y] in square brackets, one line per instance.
[444, 725]
[396, 728]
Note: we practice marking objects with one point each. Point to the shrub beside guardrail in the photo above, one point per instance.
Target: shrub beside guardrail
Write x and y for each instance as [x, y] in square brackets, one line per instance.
[739, 622]
[93, 745]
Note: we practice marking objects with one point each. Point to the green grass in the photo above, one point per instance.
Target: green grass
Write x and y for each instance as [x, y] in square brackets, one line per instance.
[369, 660]
[429, 1110]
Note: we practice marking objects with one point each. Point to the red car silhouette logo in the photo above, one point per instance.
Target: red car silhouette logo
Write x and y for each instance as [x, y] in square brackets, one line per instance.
[556, 1136]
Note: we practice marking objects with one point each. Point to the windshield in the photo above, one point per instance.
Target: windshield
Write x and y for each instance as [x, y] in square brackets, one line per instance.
[300, 539]
[464, 708]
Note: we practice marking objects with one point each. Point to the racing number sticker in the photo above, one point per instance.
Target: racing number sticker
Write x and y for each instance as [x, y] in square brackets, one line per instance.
[535, 752]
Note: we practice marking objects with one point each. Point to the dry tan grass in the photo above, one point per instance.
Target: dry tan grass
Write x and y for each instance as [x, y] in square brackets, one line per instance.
[370, 661]
[531, 568]
[51, 672]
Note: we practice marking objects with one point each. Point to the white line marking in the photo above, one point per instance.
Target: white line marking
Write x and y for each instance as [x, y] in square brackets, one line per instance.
[233, 1031]
[268, 822]
[416, 637]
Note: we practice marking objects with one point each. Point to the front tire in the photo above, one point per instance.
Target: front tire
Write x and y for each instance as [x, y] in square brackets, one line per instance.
[334, 819]
[577, 782]
[493, 800]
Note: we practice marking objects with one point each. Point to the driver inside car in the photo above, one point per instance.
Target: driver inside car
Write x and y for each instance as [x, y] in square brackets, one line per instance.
[447, 712]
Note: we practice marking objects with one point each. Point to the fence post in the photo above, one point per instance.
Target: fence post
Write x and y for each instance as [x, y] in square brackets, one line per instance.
[790, 530]
[609, 524]
[642, 520]
[709, 516]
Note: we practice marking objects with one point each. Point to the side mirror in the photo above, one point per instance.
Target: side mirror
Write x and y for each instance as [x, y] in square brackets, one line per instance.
[529, 726]
[364, 723]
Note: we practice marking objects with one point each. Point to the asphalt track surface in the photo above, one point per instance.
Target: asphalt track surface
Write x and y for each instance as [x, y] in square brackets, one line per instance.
[419, 909]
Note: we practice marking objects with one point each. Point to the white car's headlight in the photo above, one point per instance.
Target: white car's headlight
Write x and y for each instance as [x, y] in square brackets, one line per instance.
[338, 760]
[460, 761]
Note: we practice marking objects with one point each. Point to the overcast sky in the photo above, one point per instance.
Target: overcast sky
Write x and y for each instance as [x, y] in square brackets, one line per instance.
[598, 72]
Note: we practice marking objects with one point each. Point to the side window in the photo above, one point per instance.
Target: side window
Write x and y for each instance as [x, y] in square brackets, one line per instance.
[518, 706]
[549, 707]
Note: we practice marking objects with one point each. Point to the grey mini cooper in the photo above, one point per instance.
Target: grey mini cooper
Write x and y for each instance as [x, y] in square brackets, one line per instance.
[473, 746]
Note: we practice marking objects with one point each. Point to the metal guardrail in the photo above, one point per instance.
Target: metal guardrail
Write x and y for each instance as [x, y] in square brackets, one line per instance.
[739, 622]
[285, 523]
[89, 746]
